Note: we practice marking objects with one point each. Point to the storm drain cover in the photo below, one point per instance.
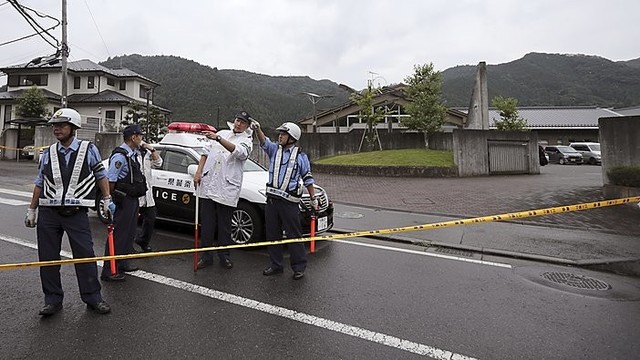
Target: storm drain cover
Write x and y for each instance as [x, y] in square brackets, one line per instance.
[576, 281]
[454, 252]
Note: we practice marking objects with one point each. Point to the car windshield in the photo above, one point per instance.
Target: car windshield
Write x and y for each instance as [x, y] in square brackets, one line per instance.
[595, 147]
[567, 149]
[251, 165]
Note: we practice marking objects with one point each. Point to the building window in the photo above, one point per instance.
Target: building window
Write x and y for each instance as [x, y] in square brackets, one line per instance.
[123, 84]
[111, 81]
[110, 114]
[7, 113]
[76, 82]
[144, 90]
[28, 80]
[91, 81]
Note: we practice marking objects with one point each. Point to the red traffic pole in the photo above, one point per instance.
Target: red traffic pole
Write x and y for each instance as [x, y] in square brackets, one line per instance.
[112, 250]
[196, 235]
[313, 232]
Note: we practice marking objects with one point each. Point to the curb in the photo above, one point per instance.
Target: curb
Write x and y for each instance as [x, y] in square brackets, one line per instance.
[620, 266]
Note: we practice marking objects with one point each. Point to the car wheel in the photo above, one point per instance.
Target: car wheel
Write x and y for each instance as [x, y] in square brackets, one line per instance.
[561, 161]
[592, 161]
[99, 208]
[247, 224]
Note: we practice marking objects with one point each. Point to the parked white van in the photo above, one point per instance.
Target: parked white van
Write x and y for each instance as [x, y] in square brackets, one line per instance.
[590, 152]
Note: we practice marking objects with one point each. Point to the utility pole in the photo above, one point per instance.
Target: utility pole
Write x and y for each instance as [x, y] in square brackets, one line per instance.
[64, 53]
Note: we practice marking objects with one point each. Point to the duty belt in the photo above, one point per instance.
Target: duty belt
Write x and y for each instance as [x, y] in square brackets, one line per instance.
[283, 194]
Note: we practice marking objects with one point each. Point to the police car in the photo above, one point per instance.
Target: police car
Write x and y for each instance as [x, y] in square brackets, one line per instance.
[174, 191]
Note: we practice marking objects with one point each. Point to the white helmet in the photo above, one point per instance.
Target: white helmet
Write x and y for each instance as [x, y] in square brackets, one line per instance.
[66, 115]
[292, 129]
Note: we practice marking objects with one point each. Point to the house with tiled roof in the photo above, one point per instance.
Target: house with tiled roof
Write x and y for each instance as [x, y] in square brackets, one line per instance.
[101, 95]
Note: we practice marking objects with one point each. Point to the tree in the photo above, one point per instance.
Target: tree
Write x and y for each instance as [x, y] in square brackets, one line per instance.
[32, 104]
[153, 126]
[369, 113]
[425, 106]
[508, 110]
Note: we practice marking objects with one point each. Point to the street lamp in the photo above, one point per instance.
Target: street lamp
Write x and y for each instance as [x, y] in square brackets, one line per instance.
[315, 98]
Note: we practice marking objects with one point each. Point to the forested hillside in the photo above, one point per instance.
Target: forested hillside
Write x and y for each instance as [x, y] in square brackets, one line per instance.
[200, 93]
[551, 79]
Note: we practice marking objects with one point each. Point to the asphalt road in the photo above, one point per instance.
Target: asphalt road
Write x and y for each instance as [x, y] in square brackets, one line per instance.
[360, 299]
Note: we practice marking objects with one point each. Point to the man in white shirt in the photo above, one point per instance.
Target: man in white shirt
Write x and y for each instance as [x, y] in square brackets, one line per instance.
[219, 177]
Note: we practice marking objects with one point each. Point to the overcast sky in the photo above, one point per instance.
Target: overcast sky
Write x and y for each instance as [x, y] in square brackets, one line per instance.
[341, 40]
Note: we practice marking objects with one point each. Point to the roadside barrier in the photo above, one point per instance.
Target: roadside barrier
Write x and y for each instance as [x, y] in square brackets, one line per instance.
[431, 226]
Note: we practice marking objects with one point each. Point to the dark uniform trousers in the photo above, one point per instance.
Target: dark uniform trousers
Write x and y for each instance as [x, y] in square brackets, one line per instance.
[215, 219]
[148, 214]
[125, 224]
[281, 214]
[51, 226]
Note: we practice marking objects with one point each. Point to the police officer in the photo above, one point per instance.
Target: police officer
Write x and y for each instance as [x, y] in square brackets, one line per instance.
[64, 190]
[149, 158]
[127, 184]
[219, 178]
[289, 170]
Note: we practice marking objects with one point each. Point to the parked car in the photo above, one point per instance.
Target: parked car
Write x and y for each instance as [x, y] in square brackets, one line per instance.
[27, 152]
[590, 152]
[173, 190]
[563, 155]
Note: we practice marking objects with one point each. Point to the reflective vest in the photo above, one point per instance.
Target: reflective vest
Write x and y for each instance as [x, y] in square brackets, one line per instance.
[70, 185]
[281, 188]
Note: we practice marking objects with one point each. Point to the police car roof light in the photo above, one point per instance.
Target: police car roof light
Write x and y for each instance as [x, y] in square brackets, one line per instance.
[190, 127]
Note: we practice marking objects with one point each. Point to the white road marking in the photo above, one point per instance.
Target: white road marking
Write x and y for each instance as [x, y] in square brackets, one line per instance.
[16, 192]
[424, 253]
[338, 327]
[13, 202]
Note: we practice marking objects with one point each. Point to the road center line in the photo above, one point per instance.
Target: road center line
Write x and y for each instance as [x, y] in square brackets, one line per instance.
[304, 318]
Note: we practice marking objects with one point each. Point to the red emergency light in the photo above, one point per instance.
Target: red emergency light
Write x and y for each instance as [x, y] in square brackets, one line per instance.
[190, 127]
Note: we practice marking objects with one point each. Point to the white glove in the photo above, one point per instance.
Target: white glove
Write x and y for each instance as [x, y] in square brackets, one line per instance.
[255, 125]
[30, 219]
[108, 207]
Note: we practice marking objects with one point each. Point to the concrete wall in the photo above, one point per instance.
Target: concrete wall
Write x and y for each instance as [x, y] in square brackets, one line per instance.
[471, 150]
[620, 144]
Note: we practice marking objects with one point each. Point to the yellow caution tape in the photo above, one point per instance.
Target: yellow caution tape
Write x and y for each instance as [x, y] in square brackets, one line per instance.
[438, 225]
[21, 149]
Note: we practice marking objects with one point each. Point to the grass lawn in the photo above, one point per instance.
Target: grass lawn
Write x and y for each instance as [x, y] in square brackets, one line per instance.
[405, 157]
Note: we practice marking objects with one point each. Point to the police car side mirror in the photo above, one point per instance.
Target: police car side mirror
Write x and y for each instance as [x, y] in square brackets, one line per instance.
[191, 169]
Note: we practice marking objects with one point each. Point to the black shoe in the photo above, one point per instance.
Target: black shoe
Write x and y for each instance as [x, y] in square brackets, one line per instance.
[101, 308]
[298, 275]
[50, 309]
[129, 269]
[113, 278]
[144, 247]
[271, 271]
[202, 263]
[226, 263]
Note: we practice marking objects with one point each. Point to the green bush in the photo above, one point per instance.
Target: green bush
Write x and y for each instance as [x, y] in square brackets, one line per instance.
[625, 175]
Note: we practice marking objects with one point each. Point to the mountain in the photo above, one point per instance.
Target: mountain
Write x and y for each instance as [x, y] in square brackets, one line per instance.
[553, 80]
[195, 92]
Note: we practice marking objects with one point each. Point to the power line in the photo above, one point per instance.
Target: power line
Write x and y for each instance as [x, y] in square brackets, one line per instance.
[34, 24]
[97, 28]
[26, 37]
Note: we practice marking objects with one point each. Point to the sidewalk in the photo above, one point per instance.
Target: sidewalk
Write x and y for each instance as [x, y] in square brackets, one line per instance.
[605, 238]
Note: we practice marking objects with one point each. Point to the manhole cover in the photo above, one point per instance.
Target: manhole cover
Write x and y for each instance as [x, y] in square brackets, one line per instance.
[348, 215]
[576, 281]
